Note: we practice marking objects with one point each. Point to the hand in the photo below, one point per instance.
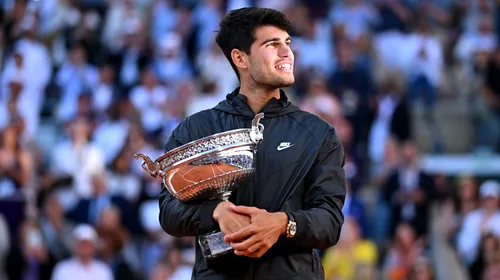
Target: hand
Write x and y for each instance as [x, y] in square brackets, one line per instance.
[417, 196]
[258, 237]
[229, 221]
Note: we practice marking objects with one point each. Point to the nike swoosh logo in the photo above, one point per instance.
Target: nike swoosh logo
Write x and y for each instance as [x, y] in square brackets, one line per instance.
[280, 148]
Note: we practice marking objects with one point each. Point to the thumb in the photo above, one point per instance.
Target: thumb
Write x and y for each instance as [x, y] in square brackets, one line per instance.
[244, 210]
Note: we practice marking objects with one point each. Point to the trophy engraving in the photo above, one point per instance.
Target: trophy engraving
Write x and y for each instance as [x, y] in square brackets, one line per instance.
[207, 169]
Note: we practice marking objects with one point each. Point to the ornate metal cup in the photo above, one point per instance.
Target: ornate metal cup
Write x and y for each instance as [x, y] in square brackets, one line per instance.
[206, 169]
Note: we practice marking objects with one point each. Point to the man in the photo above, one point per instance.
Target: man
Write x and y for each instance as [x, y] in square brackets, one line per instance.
[299, 180]
[480, 222]
[83, 265]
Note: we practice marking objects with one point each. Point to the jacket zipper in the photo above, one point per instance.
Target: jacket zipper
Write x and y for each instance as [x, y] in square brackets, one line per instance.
[314, 264]
[256, 173]
[254, 187]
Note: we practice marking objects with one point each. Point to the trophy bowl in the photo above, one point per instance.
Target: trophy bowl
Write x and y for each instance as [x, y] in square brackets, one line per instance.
[210, 167]
[207, 169]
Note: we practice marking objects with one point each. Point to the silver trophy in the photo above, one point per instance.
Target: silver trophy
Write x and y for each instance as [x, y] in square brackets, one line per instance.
[207, 169]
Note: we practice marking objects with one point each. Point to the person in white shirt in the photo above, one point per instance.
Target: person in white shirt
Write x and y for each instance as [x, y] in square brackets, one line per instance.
[478, 223]
[83, 266]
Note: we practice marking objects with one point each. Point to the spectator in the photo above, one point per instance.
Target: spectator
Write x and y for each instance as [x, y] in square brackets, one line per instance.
[110, 135]
[115, 248]
[225, 79]
[352, 254]
[481, 40]
[83, 265]
[422, 270]
[320, 101]
[424, 68]
[75, 77]
[74, 161]
[105, 91]
[174, 265]
[357, 17]
[15, 160]
[392, 119]
[56, 230]
[150, 99]
[403, 253]
[121, 181]
[409, 192]
[208, 98]
[89, 210]
[353, 206]
[465, 200]
[30, 259]
[477, 223]
[487, 263]
[353, 85]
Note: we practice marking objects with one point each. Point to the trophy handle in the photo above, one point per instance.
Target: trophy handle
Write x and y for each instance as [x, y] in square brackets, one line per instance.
[151, 167]
[257, 130]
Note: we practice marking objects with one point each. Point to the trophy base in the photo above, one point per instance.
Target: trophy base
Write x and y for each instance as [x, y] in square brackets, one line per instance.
[213, 245]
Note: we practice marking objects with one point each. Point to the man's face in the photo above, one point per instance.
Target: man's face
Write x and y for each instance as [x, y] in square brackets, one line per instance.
[491, 202]
[85, 249]
[271, 60]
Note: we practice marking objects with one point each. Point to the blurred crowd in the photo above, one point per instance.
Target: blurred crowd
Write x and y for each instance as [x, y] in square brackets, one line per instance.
[85, 84]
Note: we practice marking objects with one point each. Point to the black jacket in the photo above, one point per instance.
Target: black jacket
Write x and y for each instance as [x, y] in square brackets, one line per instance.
[306, 179]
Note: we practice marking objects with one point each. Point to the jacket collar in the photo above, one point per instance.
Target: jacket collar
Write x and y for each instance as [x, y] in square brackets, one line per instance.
[236, 103]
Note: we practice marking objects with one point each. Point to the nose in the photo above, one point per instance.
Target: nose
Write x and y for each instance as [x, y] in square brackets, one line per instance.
[285, 51]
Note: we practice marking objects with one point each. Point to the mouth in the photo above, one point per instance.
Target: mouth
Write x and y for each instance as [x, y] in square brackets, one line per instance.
[285, 67]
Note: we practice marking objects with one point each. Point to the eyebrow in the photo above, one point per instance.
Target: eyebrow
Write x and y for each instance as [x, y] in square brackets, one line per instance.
[275, 40]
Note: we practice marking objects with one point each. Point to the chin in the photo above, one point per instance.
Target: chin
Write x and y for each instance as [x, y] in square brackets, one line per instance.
[285, 81]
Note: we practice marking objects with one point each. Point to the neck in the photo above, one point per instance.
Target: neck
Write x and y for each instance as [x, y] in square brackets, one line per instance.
[490, 211]
[85, 260]
[257, 97]
[468, 205]
[149, 87]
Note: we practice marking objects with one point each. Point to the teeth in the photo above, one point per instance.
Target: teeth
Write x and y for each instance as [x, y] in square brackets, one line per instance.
[284, 66]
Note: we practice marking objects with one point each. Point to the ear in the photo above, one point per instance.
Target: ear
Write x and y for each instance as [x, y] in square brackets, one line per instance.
[240, 59]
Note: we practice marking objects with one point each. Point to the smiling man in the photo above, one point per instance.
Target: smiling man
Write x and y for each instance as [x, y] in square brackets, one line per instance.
[293, 205]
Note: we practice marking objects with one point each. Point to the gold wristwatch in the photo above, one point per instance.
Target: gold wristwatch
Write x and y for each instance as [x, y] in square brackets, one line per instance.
[291, 228]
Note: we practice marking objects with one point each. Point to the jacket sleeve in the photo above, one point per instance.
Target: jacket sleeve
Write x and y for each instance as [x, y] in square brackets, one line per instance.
[179, 218]
[319, 225]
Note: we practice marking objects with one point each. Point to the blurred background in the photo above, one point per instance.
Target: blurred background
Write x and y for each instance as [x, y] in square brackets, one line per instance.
[412, 87]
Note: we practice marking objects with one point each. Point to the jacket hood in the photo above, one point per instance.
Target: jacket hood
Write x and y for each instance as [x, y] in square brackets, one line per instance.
[236, 104]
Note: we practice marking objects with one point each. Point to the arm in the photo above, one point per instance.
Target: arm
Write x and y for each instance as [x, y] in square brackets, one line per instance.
[178, 218]
[468, 239]
[319, 226]
[490, 97]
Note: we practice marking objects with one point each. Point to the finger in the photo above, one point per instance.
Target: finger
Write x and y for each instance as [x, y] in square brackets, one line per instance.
[246, 244]
[245, 210]
[250, 250]
[240, 234]
[258, 253]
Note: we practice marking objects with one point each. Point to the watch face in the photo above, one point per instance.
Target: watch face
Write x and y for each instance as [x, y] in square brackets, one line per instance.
[293, 229]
